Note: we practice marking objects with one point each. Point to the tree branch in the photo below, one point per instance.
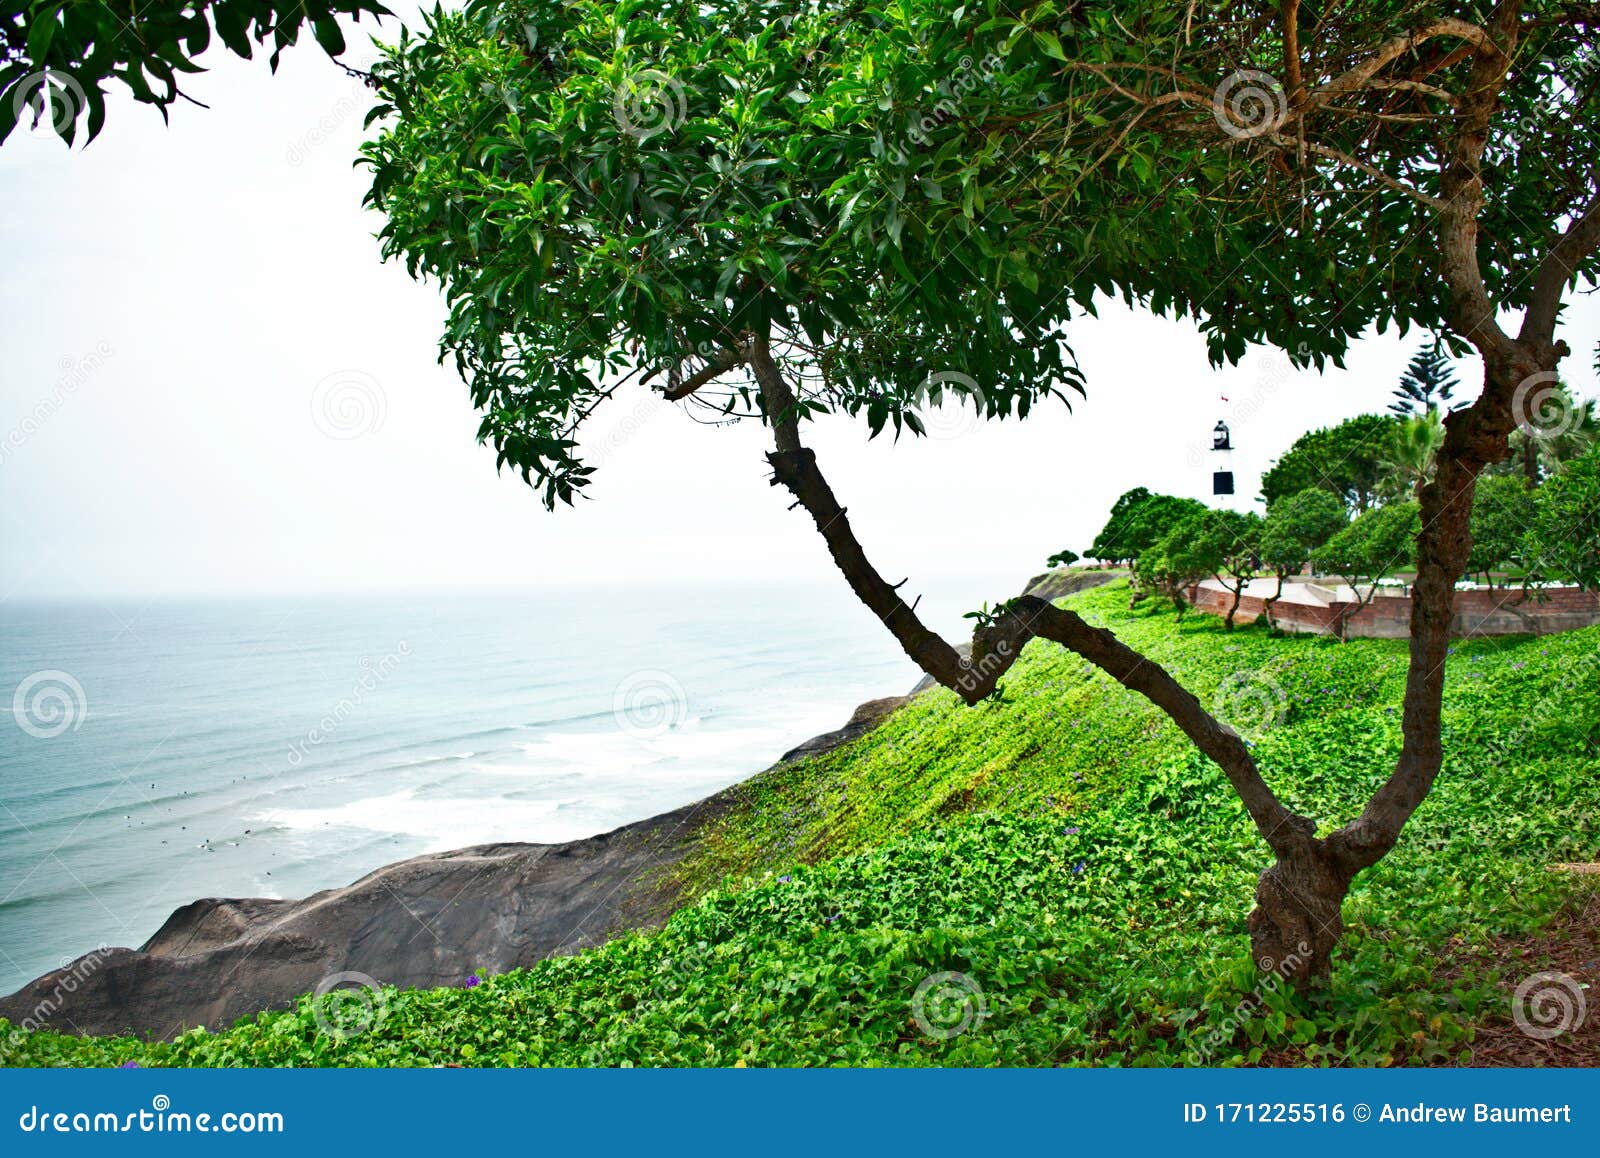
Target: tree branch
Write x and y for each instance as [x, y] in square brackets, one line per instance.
[721, 363]
[1555, 271]
[997, 644]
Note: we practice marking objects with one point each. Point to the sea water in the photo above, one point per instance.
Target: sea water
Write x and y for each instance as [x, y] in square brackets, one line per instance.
[157, 752]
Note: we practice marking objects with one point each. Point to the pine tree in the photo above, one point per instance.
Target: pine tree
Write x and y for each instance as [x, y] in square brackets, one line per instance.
[1426, 384]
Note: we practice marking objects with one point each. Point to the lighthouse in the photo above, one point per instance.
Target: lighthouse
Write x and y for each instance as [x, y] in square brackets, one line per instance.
[1222, 489]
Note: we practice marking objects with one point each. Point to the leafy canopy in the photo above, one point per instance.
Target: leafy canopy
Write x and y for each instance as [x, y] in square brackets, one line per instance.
[1375, 543]
[1346, 460]
[1296, 525]
[909, 197]
[619, 191]
[1138, 521]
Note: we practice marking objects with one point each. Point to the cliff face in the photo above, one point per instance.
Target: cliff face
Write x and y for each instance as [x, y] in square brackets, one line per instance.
[424, 922]
[418, 923]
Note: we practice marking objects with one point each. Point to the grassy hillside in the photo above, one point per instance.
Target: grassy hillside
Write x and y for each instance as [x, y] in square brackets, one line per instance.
[1084, 872]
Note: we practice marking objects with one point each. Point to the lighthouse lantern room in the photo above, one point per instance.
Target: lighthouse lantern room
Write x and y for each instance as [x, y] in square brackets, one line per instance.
[1221, 460]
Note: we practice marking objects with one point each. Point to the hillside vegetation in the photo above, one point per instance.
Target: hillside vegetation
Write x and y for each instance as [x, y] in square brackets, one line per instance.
[1070, 874]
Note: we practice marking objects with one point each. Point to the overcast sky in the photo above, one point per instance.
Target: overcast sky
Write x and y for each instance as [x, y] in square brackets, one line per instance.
[211, 384]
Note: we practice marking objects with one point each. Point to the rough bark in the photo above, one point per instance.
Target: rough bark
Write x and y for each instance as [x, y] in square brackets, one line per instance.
[1270, 607]
[1298, 918]
[1238, 597]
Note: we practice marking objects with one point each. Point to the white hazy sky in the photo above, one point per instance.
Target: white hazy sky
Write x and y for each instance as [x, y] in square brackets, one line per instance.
[173, 296]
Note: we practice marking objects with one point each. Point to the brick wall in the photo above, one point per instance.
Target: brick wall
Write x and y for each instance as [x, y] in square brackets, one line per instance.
[1501, 612]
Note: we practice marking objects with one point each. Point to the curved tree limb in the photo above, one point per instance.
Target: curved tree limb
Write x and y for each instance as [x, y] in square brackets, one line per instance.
[998, 644]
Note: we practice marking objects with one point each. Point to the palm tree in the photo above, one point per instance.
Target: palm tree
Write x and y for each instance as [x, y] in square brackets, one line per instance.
[1407, 461]
[1557, 428]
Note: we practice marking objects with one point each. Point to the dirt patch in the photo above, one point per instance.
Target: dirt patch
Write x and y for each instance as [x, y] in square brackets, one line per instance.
[1551, 980]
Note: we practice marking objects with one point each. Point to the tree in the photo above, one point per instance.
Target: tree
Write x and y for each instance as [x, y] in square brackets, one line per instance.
[1346, 460]
[1553, 427]
[58, 57]
[853, 206]
[1426, 385]
[1171, 567]
[1113, 544]
[1409, 454]
[1502, 514]
[1062, 559]
[1139, 520]
[1374, 544]
[1227, 546]
[1565, 537]
[1293, 528]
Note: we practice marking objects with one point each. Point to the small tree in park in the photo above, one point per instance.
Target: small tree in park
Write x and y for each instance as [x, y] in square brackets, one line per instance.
[1373, 545]
[1139, 519]
[1346, 460]
[1503, 512]
[1169, 568]
[1564, 540]
[1227, 546]
[777, 212]
[1293, 528]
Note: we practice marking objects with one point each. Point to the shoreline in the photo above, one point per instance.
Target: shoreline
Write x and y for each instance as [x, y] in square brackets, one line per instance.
[423, 922]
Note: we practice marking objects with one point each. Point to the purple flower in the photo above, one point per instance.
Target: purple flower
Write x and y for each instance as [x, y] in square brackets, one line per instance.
[785, 879]
[1070, 830]
[474, 981]
[1077, 869]
[129, 1065]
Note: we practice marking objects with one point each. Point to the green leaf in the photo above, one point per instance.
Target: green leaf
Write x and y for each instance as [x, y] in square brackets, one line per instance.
[328, 35]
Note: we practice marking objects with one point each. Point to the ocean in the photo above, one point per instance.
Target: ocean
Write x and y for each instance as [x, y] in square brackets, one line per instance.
[163, 751]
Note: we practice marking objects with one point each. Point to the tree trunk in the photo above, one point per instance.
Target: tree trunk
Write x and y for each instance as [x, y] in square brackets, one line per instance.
[1298, 918]
[1238, 596]
[1270, 607]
